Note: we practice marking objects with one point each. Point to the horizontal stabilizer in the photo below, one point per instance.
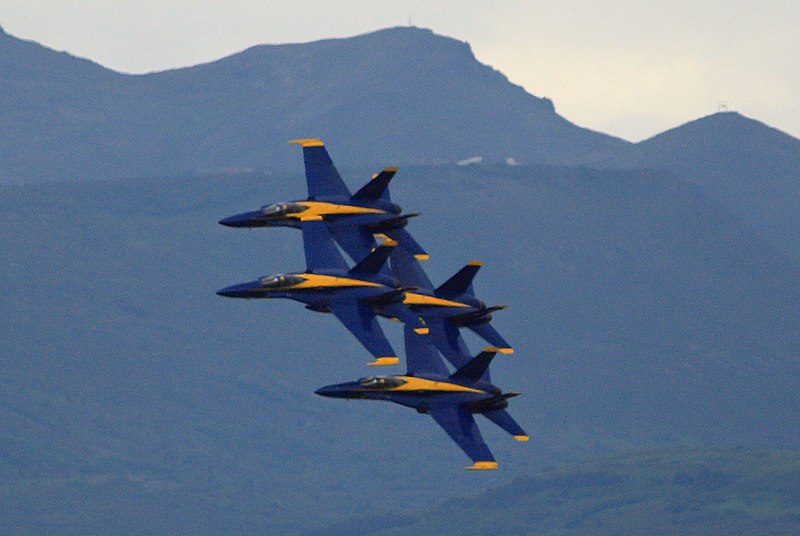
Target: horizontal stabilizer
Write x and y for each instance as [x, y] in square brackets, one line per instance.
[322, 177]
[490, 335]
[504, 420]
[407, 269]
[401, 311]
[461, 282]
[408, 243]
[376, 188]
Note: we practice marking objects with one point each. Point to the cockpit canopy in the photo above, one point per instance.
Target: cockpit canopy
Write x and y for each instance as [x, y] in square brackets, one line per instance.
[380, 382]
[282, 209]
[280, 281]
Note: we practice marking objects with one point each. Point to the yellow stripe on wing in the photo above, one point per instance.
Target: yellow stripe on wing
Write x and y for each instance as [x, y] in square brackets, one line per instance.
[482, 465]
[308, 142]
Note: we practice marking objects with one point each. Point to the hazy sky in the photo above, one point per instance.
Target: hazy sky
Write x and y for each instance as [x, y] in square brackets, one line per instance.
[627, 68]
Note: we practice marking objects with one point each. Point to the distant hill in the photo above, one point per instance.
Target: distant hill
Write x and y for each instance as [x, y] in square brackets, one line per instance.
[750, 167]
[661, 492]
[396, 96]
[642, 313]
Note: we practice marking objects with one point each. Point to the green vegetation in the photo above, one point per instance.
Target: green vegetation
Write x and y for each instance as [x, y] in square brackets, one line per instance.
[684, 491]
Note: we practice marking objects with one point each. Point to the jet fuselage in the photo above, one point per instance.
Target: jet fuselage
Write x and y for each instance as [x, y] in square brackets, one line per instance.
[421, 393]
[316, 289]
[337, 211]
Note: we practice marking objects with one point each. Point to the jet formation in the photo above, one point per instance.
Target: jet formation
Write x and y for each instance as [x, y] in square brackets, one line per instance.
[398, 290]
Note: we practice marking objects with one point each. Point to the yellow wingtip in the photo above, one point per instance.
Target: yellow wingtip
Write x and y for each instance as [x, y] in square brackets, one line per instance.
[521, 437]
[391, 169]
[422, 256]
[482, 466]
[422, 331]
[475, 263]
[308, 142]
[383, 361]
[389, 242]
[494, 349]
[507, 351]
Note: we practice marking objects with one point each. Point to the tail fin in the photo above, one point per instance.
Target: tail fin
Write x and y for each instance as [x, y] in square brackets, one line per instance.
[504, 420]
[461, 282]
[476, 367]
[376, 188]
[372, 263]
[321, 175]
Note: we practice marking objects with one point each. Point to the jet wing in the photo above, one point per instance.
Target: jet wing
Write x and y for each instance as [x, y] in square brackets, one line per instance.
[361, 321]
[462, 428]
[421, 356]
[321, 175]
[320, 249]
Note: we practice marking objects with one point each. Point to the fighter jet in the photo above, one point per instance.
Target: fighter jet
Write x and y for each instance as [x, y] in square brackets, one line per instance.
[351, 294]
[451, 399]
[351, 218]
[449, 307]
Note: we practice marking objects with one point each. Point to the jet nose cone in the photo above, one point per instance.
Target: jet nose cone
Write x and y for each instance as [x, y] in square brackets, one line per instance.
[244, 290]
[245, 219]
[342, 390]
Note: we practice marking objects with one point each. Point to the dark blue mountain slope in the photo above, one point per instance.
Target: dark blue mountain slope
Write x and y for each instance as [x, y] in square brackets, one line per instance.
[133, 398]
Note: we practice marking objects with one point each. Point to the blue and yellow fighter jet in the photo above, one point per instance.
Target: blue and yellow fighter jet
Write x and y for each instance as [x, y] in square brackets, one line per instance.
[351, 218]
[449, 307]
[451, 399]
[352, 295]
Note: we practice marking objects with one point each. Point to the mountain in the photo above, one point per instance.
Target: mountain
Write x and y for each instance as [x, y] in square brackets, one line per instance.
[403, 95]
[659, 492]
[133, 398]
[752, 168]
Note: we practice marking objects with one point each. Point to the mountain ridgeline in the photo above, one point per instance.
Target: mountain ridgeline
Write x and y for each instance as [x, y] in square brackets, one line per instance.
[404, 95]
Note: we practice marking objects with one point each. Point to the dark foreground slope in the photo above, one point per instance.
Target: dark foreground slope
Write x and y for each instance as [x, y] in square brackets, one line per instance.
[405, 94]
[661, 492]
[134, 399]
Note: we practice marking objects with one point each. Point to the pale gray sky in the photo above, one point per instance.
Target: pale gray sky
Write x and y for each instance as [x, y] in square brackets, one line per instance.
[627, 67]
